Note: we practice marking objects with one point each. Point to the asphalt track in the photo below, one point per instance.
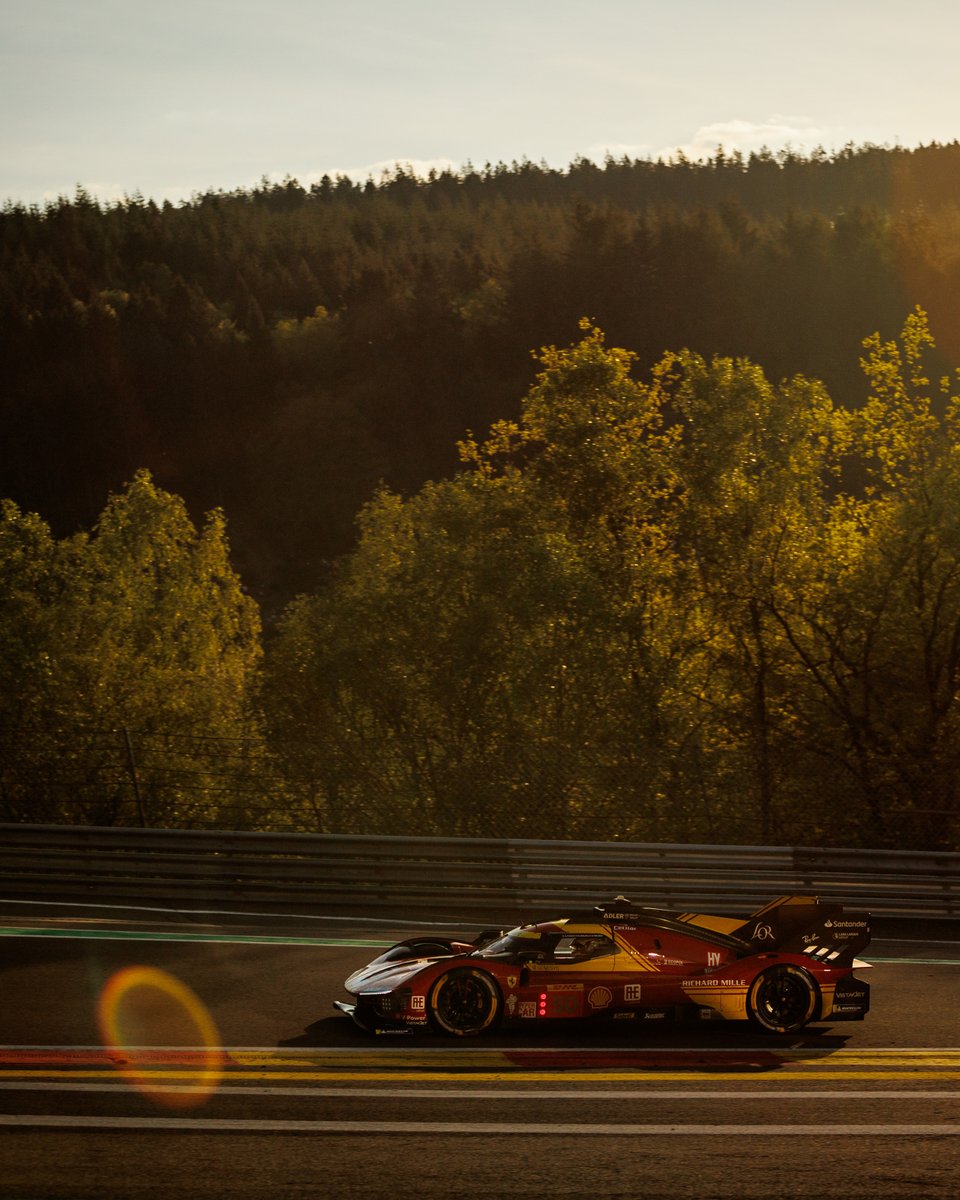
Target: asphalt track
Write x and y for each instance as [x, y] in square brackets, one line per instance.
[148, 1053]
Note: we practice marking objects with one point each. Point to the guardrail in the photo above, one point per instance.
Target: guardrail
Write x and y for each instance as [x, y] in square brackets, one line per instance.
[484, 879]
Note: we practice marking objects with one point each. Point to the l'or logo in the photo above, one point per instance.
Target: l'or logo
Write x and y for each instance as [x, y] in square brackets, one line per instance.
[762, 933]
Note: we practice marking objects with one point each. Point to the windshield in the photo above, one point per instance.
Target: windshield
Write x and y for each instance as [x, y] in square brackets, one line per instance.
[527, 943]
[566, 945]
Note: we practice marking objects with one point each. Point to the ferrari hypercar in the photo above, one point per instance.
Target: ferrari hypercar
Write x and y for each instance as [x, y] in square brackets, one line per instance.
[789, 963]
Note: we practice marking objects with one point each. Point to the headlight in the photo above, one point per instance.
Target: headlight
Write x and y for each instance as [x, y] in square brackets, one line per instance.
[390, 1004]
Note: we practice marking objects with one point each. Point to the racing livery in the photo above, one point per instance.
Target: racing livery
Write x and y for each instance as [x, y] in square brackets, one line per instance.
[789, 963]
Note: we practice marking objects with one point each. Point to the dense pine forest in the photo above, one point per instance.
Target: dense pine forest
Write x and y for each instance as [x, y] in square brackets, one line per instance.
[689, 571]
[280, 352]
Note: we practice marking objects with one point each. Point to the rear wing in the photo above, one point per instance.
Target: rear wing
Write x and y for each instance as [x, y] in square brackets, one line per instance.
[804, 925]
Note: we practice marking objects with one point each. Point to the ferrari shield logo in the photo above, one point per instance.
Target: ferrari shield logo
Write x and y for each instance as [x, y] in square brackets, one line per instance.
[511, 981]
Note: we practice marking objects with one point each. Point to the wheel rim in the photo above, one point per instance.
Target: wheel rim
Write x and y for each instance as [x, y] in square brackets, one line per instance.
[463, 1002]
[783, 1000]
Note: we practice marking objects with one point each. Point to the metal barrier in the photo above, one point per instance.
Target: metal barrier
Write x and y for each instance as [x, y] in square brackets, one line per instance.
[485, 880]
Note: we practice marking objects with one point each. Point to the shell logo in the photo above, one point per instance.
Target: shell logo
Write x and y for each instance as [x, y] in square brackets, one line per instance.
[599, 997]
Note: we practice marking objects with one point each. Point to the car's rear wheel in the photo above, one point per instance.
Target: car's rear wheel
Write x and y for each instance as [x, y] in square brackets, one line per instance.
[464, 1002]
[782, 999]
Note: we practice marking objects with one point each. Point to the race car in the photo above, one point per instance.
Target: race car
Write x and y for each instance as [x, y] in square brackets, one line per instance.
[789, 963]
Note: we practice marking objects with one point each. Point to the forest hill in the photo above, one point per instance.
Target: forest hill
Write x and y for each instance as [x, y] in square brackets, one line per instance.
[280, 352]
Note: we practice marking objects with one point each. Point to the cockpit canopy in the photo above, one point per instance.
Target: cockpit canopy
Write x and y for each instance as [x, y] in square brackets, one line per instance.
[532, 943]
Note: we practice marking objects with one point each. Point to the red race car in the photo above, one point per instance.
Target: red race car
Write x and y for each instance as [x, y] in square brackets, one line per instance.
[789, 963]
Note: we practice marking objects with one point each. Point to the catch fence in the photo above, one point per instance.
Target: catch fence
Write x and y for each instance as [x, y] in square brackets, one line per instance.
[481, 880]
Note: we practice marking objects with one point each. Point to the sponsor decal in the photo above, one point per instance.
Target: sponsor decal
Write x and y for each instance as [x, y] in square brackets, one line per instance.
[713, 984]
[562, 1004]
[511, 981]
[527, 1008]
[655, 1015]
[599, 997]
[831, 924]
[713, 958]
[624, 1016]
[564, 987]
[762, 932]
[631, 992]
[418, 1002]
[417, 1019]
[511, 1003]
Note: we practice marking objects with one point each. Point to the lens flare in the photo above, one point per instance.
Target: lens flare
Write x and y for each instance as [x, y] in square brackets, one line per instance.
[143, 1007]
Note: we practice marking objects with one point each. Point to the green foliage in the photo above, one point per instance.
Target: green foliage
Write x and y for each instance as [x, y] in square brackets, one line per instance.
[876, 630]
[445, 649]
[139, 630]
[686, 603]
[651, 610]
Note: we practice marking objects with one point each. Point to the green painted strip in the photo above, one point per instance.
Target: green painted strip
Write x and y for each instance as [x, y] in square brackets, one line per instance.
[122, 935]
[136, 935]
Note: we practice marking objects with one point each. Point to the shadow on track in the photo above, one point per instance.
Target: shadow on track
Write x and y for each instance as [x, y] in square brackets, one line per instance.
[603, 1045]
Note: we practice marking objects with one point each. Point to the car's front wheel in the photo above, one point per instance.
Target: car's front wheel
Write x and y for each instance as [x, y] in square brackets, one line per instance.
[782, 999]
[464, 1002]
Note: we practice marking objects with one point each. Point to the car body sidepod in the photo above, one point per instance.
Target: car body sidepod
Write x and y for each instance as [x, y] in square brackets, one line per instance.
[791, 962]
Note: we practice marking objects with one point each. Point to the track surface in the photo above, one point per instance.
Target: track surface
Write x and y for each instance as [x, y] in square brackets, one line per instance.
[302, 1104]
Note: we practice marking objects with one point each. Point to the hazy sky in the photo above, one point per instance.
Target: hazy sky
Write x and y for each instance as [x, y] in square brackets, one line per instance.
[173, 97]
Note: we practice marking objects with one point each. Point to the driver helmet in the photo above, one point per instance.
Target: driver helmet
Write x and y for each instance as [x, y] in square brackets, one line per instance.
[586, 945]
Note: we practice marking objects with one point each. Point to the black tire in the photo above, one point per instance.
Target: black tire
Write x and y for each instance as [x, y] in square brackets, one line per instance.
[465, 1002]
[783, 999]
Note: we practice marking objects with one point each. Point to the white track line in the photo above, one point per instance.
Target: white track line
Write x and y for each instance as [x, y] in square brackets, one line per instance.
[454, 1048]
[410, 1093]
[461, 1128]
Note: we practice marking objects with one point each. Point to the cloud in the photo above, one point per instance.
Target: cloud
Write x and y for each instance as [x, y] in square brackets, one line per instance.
[98, 189]
[617, 150]
[421, 167]
[776, 133]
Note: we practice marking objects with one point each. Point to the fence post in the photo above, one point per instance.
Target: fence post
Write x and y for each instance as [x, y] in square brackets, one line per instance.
[132, 766]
